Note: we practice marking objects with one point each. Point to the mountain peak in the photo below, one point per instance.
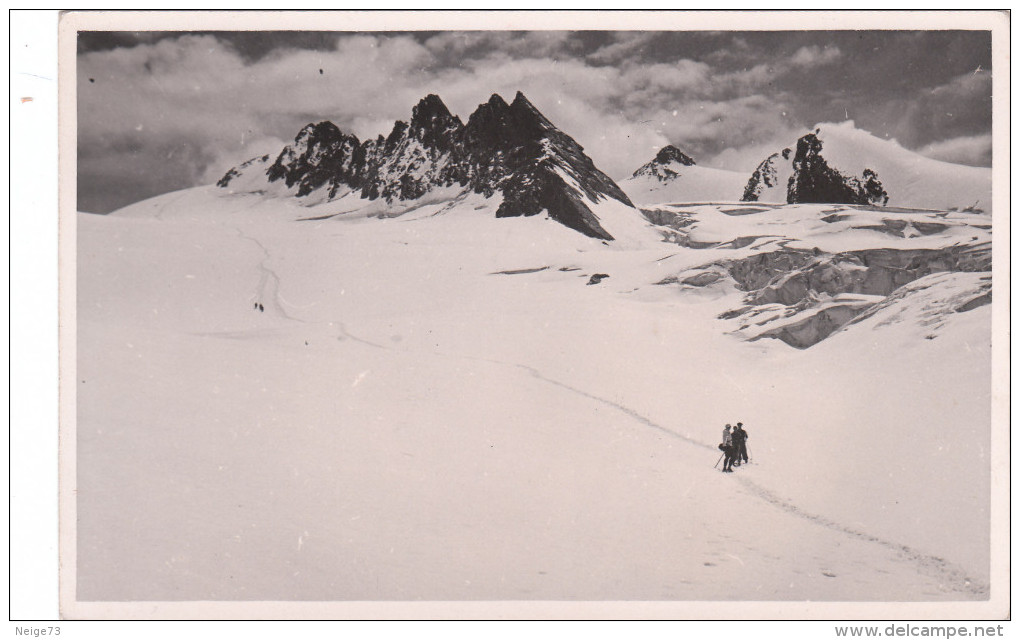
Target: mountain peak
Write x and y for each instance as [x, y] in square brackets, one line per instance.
[428, 109]
[316, 130]
[528, 119]
[496, 101]
[810, 176]
[432, 122]
[660, 166]
[509, 149]
[669, 154]
[431, 106]
[520, 100]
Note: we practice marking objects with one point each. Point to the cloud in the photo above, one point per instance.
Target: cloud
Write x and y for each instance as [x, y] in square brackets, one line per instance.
[738, 121]
[453, 47]
[183, 109]
[960, 107]
[734, 134]
[195, 106]
[746, 157]
[977, 84]
[971, 150]
[815, 56]
[199, 97]
[625, 44]
[660, 79]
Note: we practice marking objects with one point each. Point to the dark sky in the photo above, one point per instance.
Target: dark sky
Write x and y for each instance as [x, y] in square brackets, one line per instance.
[160, 111]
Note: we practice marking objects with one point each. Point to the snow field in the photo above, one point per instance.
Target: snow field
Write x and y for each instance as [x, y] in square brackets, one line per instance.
[405, 422]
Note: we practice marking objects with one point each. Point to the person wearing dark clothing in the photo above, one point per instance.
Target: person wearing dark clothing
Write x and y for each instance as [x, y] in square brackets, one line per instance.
[728, 450]
[740, 444]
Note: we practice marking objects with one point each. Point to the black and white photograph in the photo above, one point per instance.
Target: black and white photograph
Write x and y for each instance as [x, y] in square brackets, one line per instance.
[692, 315]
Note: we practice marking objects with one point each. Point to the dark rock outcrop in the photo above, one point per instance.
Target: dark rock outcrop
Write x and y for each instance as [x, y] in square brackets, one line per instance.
[660, 166]
[812, 179]
[507, 149]
[765, 176]
[321, 154]
[236, 171]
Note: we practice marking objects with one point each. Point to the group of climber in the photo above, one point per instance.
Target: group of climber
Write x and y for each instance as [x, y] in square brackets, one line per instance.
[734, 447]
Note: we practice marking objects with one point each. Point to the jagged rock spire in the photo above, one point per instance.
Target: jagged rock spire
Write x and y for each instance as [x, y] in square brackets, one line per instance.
[510, 149]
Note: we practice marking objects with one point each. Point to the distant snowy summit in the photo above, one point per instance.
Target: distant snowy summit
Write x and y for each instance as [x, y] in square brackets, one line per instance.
[674, 176]
[832, 164]
[662, 165]
[506, 150]
[839, 163]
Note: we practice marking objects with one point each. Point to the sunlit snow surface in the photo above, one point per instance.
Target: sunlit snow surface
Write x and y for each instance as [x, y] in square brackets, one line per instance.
[438, 406]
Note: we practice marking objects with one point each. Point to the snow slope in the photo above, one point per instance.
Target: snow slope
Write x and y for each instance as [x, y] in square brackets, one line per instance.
[437, 406]
[910, 179]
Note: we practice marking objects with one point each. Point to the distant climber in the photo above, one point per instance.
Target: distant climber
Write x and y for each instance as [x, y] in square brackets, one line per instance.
[739, 444]
[727, 449]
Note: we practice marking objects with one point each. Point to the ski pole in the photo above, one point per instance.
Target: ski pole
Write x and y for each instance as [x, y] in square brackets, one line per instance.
[718, 461]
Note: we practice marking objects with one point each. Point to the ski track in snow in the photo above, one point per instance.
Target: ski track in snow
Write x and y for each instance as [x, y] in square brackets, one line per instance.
[269, 282]
[619, 407]
[350, 336]
[931, 565]
[948, 575]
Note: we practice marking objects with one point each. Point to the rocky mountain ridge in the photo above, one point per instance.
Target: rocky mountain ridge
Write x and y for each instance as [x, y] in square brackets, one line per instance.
[514, 153]
[833, 163]
[507, 149]
[812, 179]
[837, 163]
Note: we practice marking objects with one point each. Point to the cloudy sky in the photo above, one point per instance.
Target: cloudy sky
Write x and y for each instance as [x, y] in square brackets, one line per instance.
[160, 111]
